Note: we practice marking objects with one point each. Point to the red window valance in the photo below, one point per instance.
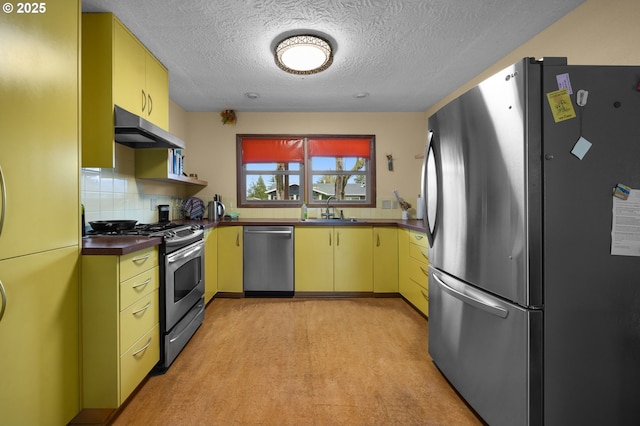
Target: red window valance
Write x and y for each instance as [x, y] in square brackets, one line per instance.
[360, 148]
[272, 150]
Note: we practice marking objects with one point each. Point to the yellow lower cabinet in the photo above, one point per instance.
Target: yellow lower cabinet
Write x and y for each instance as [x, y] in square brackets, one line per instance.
[210, 264]
[39, 338]
[413, 273]
[138, 361]
[120, 316]
[331, 259]
[230, 259]
[385, 259]
[313, 252]
[353, 259]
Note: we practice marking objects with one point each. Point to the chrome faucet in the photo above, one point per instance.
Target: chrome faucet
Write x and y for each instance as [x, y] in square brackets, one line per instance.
[327, 214]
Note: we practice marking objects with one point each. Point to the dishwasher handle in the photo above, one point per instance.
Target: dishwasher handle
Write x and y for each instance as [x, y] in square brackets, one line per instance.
[271, 232]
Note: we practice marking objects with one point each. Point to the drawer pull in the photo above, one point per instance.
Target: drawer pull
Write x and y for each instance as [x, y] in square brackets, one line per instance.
[418, 237]
[144, 348]
[142, 258]
[142, 284]
[424, 272]
[144, 308]
[3, 294]
[426, 296]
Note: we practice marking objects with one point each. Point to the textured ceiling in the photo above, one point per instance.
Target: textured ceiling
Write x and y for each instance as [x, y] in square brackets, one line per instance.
[406, 54]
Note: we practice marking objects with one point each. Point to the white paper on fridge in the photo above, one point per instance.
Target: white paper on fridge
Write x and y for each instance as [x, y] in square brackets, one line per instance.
[625, 227]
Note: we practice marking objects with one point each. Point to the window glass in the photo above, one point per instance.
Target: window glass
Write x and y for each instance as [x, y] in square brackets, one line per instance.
[277, 171]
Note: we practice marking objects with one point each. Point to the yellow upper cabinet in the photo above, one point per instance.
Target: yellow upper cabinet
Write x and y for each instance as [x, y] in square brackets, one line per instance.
[39, 163]
[116, 70]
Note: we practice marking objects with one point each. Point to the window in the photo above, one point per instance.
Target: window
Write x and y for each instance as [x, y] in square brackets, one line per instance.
[284, 170]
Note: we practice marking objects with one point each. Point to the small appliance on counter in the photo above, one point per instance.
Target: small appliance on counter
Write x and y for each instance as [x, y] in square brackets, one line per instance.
[193, 208]
[163, 213]
[216, 209]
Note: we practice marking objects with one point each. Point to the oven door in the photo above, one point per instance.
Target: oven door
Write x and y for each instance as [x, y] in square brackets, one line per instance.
[184, 282]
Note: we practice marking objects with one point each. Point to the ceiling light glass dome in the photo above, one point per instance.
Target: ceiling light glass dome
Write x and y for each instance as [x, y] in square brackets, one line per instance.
[304, 54]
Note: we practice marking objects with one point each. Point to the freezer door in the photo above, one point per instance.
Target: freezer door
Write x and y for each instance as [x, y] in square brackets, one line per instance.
[490, 350]
[481, 151]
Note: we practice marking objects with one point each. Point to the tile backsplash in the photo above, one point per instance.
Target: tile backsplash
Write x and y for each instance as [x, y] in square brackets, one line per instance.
[109, 195]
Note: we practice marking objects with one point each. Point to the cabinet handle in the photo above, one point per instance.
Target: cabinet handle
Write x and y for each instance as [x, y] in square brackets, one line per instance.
[150, 104]
[143, 348]
[144, 308]
[238, 239]
[424, 272]
[418, 237]
[144, 100]
[337, 238]
[377, 240]
[141, 259]
[330, 239]
[3, 294]
[142, 284]
[3, 190]
[425, 256]
[425, 295]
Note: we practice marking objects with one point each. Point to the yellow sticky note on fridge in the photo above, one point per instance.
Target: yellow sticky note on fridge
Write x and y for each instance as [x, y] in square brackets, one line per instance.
[561, 105]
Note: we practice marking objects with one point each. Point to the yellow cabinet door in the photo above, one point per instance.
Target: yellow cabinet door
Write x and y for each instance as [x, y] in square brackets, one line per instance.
[39, 76]
[353, 259]
[230, 259]
[210, 264]
[39, 334]
[129, 71]
[313, 251]
[157, 91]
[403, 262]
[385, 260]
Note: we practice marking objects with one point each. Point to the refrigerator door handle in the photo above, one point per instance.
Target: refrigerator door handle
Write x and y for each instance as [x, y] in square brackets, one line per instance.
[473, 301]
[430, 231]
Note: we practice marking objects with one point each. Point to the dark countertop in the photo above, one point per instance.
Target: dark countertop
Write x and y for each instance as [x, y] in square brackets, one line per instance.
[413, 224]
[116, 245]
[123, 245]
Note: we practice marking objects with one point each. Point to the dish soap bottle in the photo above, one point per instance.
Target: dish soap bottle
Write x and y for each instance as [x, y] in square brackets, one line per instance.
[303, 213]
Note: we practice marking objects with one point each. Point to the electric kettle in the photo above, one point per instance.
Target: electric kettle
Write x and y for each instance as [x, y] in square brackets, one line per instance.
[216, 209]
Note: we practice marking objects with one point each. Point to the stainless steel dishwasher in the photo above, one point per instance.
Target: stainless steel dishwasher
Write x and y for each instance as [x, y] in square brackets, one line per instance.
[268, 261]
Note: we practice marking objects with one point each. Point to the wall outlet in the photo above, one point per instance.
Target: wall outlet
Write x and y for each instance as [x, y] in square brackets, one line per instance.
[394, 205]
[386, 204]
[153, 204]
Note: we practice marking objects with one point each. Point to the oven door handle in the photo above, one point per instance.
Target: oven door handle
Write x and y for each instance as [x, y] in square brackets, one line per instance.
[183, 255]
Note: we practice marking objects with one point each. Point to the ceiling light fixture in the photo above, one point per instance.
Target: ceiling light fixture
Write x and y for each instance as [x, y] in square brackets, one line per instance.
[304, 54]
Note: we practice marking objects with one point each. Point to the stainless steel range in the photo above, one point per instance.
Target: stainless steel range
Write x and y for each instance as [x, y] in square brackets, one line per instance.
[182, 290]
[181, 281]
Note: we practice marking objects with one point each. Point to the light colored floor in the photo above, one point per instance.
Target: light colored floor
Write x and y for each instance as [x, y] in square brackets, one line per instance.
[302, 362]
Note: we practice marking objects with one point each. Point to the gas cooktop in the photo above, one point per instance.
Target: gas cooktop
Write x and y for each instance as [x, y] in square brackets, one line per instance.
[144, 229]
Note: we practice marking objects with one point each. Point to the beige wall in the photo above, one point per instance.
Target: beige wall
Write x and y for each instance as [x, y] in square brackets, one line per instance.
[599, 32]
[211, 150]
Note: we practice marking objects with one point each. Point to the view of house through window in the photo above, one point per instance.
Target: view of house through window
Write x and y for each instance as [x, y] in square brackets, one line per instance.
[285, 170]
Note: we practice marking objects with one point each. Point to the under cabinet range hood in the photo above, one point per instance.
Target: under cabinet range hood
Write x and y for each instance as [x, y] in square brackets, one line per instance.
[136, 132]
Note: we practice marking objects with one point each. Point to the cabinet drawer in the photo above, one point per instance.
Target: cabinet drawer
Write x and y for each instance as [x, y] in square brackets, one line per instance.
[418, 238]
[136, 287]
[417, 296]
[137, 319]
[419, 273]
[134, 263]
[136, 363]
[419, 253]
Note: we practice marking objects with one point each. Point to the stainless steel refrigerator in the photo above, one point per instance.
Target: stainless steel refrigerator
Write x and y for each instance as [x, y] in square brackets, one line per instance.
[531, 318]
